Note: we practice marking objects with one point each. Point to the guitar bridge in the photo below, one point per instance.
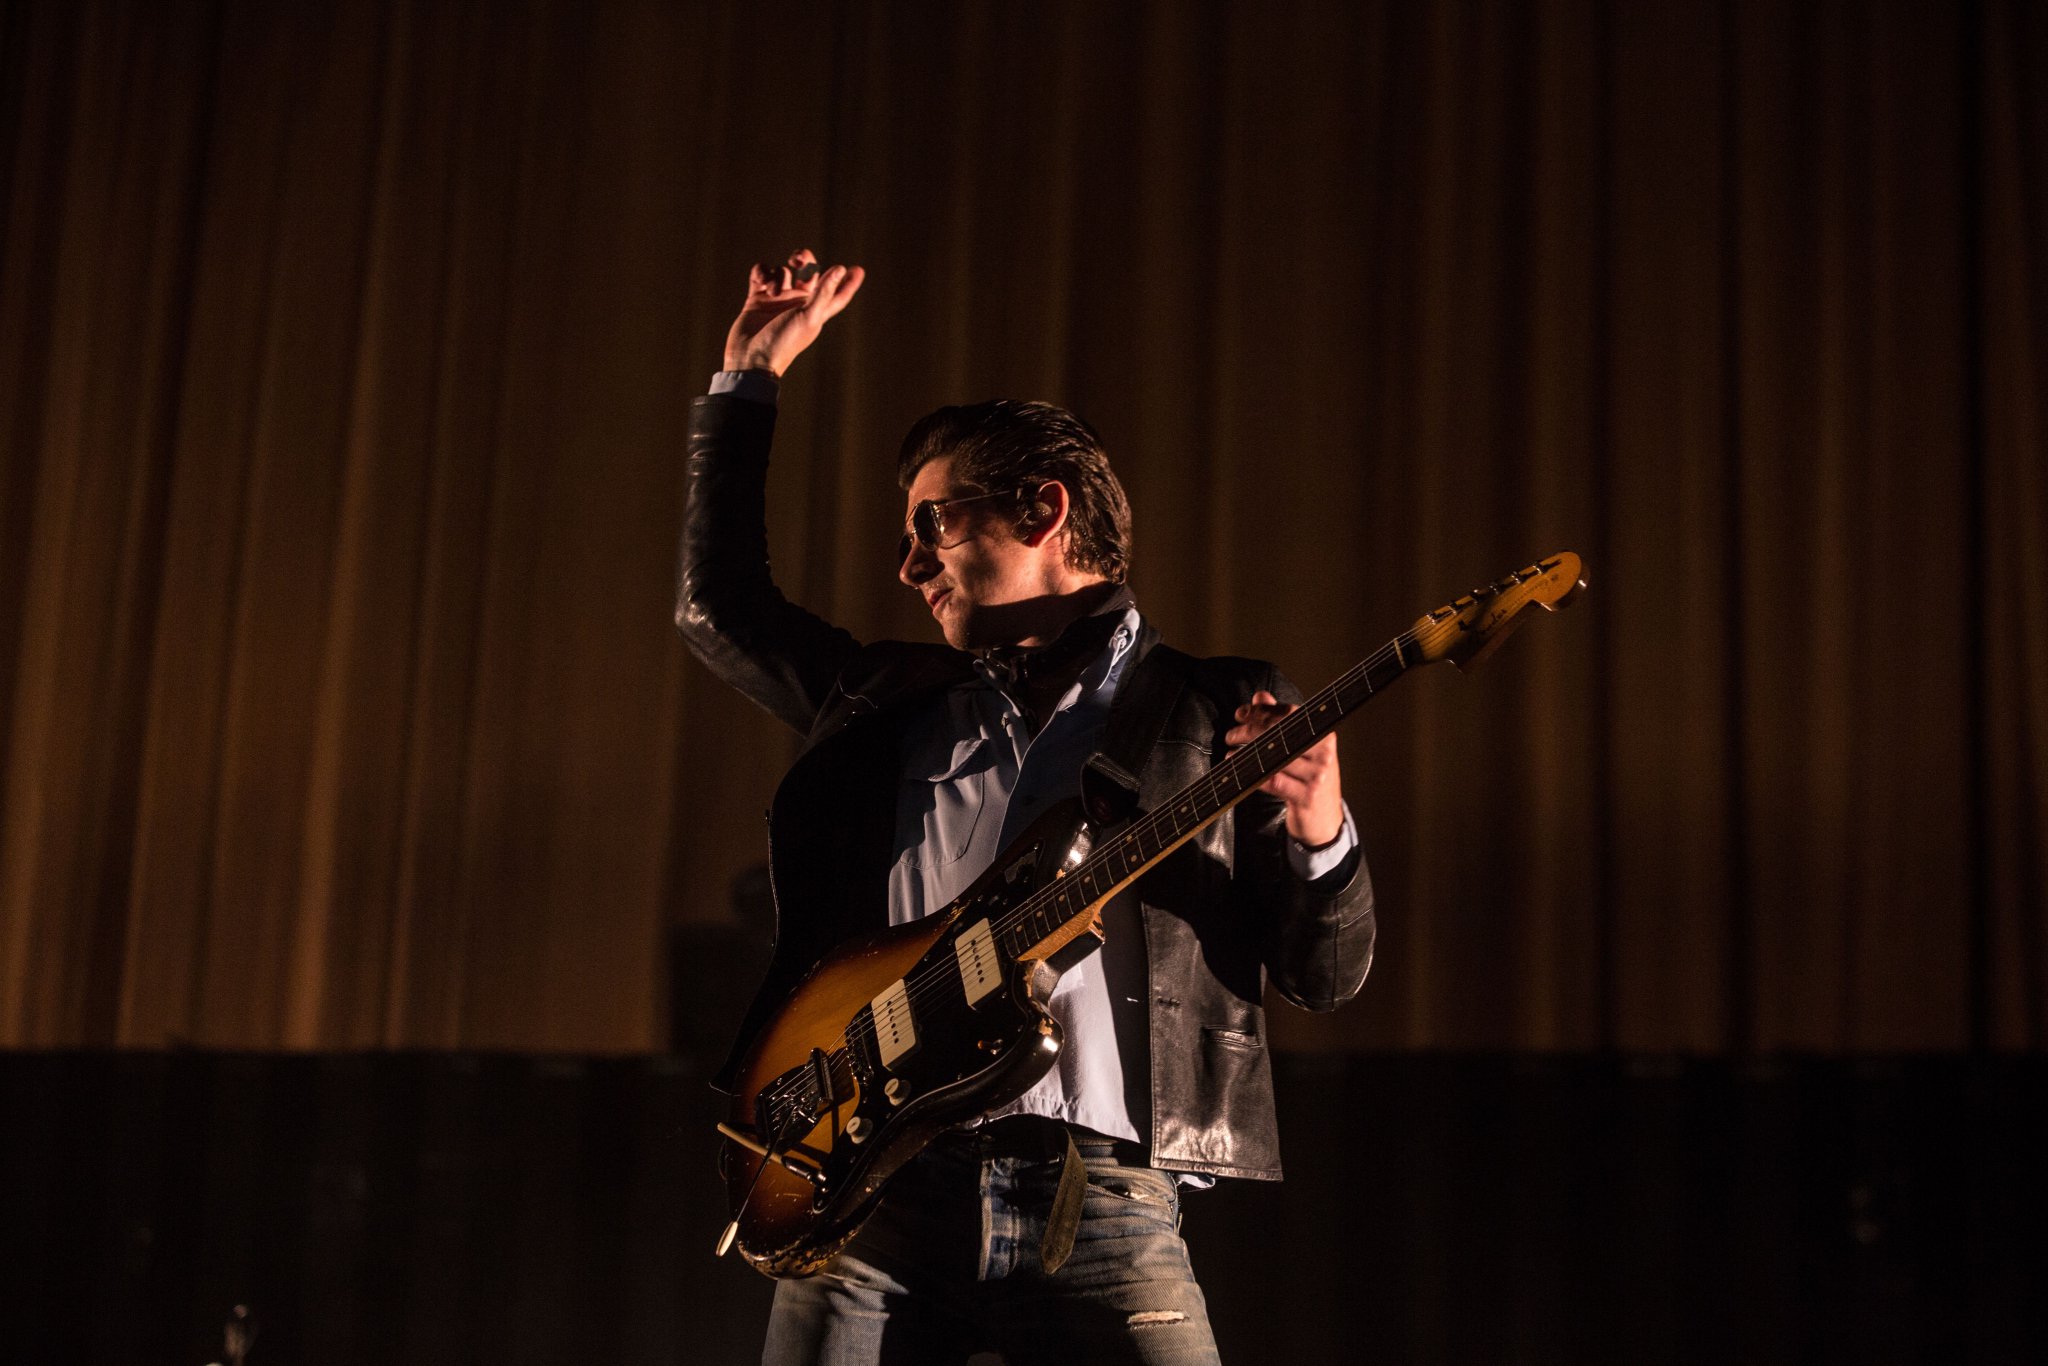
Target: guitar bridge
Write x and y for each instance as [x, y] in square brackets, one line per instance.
[821, 1082]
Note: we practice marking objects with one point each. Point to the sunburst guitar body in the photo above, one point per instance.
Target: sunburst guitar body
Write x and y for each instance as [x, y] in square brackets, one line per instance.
[892, 1040]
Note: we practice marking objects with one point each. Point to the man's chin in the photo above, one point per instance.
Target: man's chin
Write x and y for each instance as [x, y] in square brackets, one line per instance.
[978, 626]
[965, 630]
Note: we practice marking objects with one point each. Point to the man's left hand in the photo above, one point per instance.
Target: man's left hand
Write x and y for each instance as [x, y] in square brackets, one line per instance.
[1309, 786]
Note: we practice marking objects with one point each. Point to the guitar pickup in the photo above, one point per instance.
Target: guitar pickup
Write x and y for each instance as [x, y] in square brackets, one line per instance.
[980, 965]
[895, 1026]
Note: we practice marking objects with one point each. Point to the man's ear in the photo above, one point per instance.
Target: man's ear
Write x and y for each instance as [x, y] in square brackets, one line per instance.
[1046, 517]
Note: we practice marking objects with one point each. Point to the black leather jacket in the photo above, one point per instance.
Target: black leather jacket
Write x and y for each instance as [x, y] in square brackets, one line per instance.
[1220, 916]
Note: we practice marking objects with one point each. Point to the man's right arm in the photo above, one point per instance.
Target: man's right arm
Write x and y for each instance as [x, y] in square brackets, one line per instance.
[728, 608]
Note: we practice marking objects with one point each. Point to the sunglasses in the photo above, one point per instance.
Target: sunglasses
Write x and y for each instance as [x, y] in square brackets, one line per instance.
[929, 519]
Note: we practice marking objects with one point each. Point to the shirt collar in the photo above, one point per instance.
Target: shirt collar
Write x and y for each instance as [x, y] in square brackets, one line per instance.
[1086, 652]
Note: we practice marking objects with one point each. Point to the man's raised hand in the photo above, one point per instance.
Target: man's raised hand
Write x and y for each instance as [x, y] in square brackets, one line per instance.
[784, 313]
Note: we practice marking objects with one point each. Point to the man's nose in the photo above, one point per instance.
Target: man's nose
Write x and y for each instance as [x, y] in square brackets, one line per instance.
[918, 566]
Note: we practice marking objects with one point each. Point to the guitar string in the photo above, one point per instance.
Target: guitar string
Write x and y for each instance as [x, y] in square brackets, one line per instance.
[921, 983]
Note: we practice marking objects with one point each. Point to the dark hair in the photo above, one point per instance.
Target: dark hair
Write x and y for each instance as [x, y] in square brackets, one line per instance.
[1009, 443]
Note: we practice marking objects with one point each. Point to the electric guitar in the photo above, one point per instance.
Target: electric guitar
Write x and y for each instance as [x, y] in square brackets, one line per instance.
[895, 1038]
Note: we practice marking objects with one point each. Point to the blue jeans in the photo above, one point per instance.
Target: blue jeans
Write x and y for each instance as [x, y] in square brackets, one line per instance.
[948, 1265]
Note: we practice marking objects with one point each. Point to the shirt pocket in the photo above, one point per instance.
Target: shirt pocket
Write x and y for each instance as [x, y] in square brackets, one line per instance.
[944, 790]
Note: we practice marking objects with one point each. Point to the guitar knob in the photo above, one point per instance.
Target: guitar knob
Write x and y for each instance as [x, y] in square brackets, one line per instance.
[858, 1129]
[896, 1091]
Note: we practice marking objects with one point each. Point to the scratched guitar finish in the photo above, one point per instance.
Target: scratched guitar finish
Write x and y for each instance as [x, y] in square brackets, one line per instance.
[895, 1038]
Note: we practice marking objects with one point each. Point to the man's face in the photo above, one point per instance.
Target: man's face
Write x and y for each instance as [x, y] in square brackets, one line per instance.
[984, 565]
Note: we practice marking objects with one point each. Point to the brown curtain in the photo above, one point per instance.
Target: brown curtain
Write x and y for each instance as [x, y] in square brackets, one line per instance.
[345, 352]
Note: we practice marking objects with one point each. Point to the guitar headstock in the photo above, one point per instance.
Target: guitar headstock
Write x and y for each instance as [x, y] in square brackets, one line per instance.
[1466, 631]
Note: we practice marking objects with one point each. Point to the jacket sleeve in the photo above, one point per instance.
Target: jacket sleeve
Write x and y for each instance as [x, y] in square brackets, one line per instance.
[1317, 936]
[728, 608]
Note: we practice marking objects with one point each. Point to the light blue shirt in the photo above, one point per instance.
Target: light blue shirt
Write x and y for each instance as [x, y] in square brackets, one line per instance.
[974, 777]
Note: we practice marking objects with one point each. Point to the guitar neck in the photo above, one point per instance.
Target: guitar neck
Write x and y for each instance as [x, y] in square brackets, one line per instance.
[1065, 908]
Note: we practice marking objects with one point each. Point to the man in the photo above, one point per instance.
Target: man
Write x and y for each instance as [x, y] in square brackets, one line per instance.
[920, 763]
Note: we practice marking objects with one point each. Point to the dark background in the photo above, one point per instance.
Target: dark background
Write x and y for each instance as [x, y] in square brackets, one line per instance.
[451, 1207]
[345, 351]
[432, 1208]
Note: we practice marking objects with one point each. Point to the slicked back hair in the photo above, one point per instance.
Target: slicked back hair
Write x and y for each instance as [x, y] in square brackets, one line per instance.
[1009, 443]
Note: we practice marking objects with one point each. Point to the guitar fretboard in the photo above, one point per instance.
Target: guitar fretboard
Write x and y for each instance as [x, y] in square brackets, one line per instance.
[1178, 819]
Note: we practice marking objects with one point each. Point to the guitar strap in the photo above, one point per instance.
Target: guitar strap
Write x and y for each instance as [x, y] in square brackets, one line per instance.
[1063, 1220]
[1109, 778]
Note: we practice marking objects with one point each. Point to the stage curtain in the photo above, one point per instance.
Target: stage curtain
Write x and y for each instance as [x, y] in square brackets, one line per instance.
[345, 356]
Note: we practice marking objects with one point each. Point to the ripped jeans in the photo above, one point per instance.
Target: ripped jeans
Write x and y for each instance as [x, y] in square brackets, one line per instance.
[949, 1266]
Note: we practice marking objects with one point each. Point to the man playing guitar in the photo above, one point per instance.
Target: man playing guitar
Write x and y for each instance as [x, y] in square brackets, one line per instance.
[1047, 1230]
